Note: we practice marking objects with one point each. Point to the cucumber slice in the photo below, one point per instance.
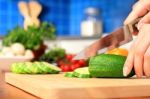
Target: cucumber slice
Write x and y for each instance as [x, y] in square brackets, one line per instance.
[82, 72]
[39, 69]
[69, 74]
[49, 68]
[27, 67]
[18, 68]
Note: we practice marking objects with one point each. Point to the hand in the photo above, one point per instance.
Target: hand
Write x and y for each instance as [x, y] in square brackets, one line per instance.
[140, 9]
[139, 55]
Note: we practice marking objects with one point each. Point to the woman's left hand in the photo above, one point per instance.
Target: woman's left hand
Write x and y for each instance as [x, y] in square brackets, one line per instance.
[139, 54]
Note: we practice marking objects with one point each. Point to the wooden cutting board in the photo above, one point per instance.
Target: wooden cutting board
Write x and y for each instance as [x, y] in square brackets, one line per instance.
[59, 87]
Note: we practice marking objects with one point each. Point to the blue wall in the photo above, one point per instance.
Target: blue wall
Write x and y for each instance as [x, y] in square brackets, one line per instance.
[67, 14]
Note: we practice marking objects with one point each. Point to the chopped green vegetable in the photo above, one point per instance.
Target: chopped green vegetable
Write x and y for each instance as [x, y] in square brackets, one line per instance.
[69, 74]
[51, 68]
[53, 55]
[34, 68]
[82, 73]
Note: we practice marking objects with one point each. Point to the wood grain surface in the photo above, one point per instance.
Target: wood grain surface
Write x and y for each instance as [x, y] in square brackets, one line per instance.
[59, 87]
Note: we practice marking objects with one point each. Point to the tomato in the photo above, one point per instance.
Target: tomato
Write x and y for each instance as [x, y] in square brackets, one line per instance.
[68, 64]
[82, 62]
[74, 61]
[65, 68]
[74, 66]
[69, 57]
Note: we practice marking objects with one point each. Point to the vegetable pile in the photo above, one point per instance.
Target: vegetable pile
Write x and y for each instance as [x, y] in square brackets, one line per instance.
[64, 61]
[53, 55]
[68, 64]
[32, 38]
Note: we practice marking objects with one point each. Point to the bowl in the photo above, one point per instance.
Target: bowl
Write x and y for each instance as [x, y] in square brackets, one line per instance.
[5, 62]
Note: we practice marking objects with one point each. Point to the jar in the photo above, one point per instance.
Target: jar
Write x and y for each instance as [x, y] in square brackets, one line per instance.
[91, 25]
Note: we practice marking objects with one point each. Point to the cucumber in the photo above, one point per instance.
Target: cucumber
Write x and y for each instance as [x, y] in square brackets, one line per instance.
[27, 67]
[34, 68]
[69, 74]
[82, 72]
[18, 68]
[49, 68]
[108, 65]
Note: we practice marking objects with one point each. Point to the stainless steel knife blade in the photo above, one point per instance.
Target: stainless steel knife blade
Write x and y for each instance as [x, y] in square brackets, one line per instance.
[117, 38]
[101, 45]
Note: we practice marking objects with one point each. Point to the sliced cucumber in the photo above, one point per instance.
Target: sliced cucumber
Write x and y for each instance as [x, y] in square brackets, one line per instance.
[38, 68]
[34, 68]
[27, 67]
[49, 68]
[69, 74]
[18, 68]
[82, 72]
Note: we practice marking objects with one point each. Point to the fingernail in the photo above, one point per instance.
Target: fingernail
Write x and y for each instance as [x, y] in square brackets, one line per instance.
[125, 71]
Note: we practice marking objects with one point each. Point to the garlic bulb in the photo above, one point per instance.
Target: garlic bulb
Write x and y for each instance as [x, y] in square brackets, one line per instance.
[18, 49]
[6, 50]
[29, 53]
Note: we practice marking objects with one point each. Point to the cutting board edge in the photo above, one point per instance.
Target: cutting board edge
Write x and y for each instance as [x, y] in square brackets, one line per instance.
[85, 92]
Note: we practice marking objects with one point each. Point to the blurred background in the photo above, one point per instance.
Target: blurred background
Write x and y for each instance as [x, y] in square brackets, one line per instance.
[68, 15]
[53, 30]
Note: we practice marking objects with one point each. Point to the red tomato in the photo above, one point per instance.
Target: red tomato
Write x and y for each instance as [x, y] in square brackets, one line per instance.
[74, 61]
[69, 57]
[66, 68]
[82, 62]
[74, 66]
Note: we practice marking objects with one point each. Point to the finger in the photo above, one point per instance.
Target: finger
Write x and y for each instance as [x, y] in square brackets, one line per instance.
[134, 6]
[129, 62]
[140, 50]
[147, 63]
[139, 10]
[138, 62]
[144, 20]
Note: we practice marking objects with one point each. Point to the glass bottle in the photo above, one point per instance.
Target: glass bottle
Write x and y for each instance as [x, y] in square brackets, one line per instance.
[91, 24]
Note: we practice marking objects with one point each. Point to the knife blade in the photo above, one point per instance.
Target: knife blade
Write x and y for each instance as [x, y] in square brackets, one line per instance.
[119, 37]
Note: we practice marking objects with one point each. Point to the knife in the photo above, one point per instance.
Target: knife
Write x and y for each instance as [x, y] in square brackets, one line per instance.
[117, 38]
